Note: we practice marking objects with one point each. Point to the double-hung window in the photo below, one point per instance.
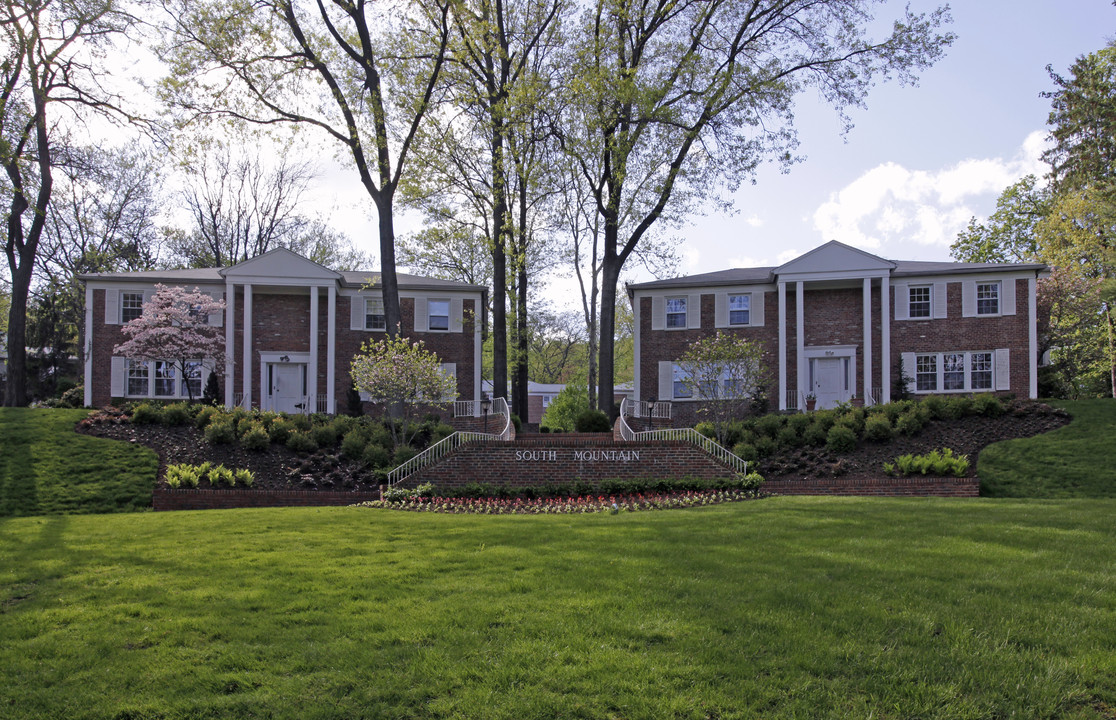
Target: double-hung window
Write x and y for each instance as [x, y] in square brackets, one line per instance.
[954, 371]
[681, 387]
[740, 309]
[374, 317]
[439, 311]
[164, 379]
[676, 312]
[137, 377]
[988, 298]
[131, 306]
[919, 305]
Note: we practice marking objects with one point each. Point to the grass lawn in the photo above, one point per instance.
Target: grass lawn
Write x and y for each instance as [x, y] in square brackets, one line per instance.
[778, 608]
[1073, 461]
[47, 468]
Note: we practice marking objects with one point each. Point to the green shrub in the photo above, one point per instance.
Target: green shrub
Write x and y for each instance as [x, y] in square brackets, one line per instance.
[824, 419]
[752, 481]
[912, 421]
[342, 424]
[205, 416]
[956, 408]
[515, 421]
[376, 456]
[176, 414]
[935, 405]
[245, 477]
[853, 418]
[300, 422]
[381, 436]
[816, 434]
[280, 431]
[800, 422]
[246, 423]
[769, 425]
[403, 453]
[440, 432]
[147, 414]
[936, 462]
[255, 438]
[220, 433]
[354, 443]
[324, 435]
[988, 405]
[182, 475]
[877, 428]
[734, 432]
[266, 418]
[74, 397]
[707, 429]
[301, 442]
[592, 421]
[766, 446]
[789, 437]
[841, 439]
[746, 452]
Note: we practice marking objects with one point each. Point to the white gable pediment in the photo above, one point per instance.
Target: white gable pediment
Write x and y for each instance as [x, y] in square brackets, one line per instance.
[281, 267]
[836, 258]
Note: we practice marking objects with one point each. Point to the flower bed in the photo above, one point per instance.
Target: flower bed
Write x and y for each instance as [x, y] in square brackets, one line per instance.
[567, 505]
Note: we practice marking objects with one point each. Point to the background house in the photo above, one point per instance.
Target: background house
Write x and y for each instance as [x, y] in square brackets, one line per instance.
[840, 323]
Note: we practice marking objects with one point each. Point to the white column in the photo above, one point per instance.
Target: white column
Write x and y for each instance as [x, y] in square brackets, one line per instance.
[800, 334]
[331, 351]
[312, 371]
[867, 340]
[782, 346]
[230, 343]
[885, 338]
[87, 348]
[247, 361]
[1032, 335]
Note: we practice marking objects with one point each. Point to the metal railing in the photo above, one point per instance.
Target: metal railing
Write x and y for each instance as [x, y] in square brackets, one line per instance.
[687, 435]
[448, 445]
[648, 409]
[875, 397]
[464, 408]
[795, 399]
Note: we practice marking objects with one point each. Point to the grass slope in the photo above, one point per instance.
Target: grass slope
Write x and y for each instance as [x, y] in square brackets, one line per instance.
[1073, 461]
[47, 468]
[779, 608]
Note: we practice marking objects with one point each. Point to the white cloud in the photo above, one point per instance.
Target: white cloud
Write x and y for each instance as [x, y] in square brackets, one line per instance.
[892, 206]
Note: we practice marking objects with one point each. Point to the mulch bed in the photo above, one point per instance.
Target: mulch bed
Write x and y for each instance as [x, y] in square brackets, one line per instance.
[965, 436]
[275, 469]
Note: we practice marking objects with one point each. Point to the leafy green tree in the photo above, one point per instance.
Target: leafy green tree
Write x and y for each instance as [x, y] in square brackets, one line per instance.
[50, 67]
[1011, 233]
[367, 75]
[563, 410]
[666, 103]
[404, 377]
[724, 372]
[1068, 306]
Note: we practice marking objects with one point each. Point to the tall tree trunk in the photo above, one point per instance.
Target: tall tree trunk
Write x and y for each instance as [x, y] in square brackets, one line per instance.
[522, 374]
[499, 266]
[389, 280]
[610, 277]
[15, 389]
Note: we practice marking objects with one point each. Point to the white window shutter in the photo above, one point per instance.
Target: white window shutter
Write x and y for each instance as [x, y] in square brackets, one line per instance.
[693, 311]
[1007, 297]
[720, 311]
[902, 301]
[1003, 369]
[907, 362]
[968, 299]
[941, 300]
[147, 295]
[422, 316]
[658, 313]
[112, 307]
[756, 309]
[116, 382]
[666, 380]
[217, 319]
[457, 309]
[356, 312]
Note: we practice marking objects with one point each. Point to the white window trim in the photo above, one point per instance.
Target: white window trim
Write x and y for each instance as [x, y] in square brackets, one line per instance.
[448, 315]
[999, 285]
[367, 302]
[729, 310]
[929, 287]
[178, 380]
[685, 313]
[125, 293]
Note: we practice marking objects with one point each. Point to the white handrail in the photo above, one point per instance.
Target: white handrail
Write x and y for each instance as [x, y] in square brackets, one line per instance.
[681, 435]
[447, 445]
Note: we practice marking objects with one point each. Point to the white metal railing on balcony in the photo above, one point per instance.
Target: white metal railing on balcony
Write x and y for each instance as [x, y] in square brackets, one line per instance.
[464, 408]
[647, 409]
[688, 435]
[875, 397]
[447, 445]
[795, 399]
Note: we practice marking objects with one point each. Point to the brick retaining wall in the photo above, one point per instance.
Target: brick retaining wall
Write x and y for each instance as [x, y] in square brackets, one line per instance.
[168, 499]
[886, 486]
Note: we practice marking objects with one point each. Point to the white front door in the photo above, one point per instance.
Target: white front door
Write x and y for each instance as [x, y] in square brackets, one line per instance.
[830, 380]
[287, 390]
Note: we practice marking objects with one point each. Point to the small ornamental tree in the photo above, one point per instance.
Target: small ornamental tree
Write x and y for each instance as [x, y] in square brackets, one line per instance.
[724, 372]
[401, 374]
[563, 410]
[174, 328]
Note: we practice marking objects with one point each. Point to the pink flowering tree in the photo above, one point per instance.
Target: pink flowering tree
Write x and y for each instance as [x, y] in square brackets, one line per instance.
[402, 375]
[174, 328]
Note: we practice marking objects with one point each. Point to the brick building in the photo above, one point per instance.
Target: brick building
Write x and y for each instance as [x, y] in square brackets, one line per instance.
[840, 323]
[291, 329]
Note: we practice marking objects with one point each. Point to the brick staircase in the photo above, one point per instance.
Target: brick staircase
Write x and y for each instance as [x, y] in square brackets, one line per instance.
[569, 457]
